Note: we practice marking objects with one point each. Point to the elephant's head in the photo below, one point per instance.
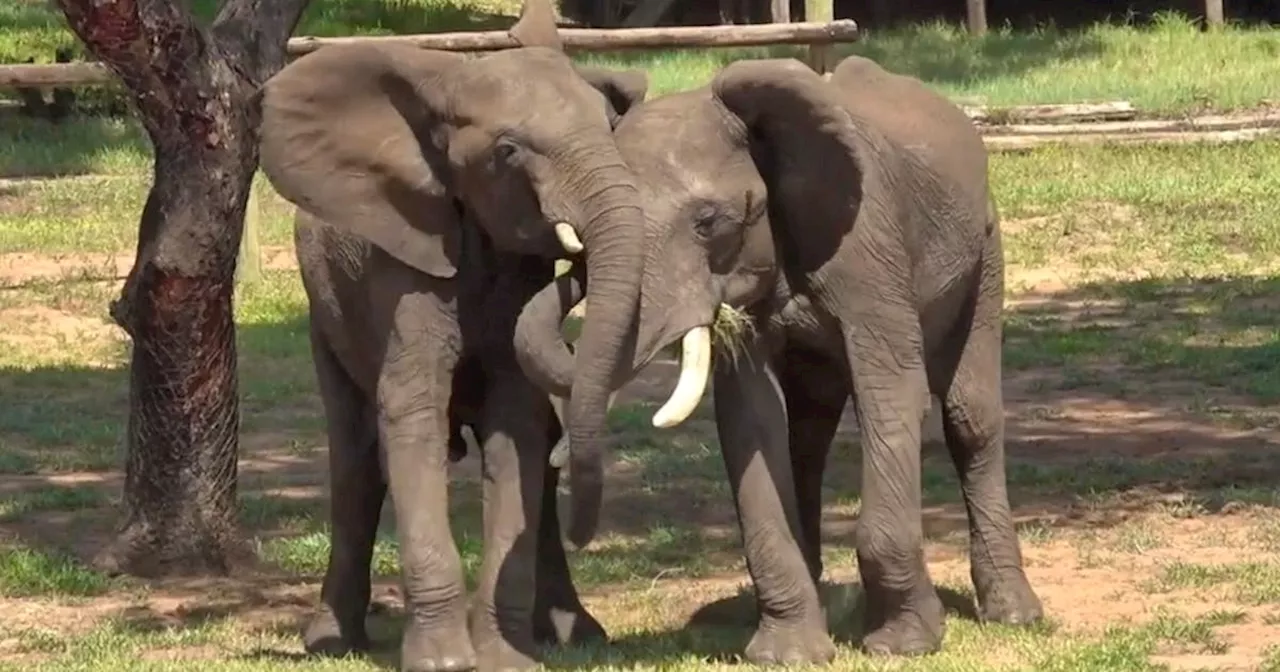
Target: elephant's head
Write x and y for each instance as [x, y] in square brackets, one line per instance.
[732, 176]
[395, 143]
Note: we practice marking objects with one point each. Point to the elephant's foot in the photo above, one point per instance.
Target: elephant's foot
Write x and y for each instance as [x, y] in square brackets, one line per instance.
[915, 628]
[1008, 598]
[568, 627]
[495, 654]
[326, 636]
[787, 643]
[442, 649]
[502, 644]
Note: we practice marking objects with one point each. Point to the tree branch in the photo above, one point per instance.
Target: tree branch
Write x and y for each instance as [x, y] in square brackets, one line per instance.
[177, 74]
[159, 53]
[256, 33]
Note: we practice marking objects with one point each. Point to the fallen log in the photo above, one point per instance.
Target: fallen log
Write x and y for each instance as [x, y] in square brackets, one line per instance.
[1014, 143]
[1203, 123]
[1120, 110]
[43, 75]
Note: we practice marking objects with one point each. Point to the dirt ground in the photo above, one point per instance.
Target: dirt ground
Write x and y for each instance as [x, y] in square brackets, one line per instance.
[1090, 566]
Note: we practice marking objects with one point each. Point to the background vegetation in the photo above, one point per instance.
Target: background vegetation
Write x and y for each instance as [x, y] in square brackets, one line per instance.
[1141, 361]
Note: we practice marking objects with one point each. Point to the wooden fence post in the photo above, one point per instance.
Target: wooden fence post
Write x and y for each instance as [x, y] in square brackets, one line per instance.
[780, 11]
[1213, 14]
[976, 18]
[249, 267]
[822, 57]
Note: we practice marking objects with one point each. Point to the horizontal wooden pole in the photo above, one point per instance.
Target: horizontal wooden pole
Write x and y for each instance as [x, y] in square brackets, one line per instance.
[1204, 123]
[1015, 143]
[55, 74]
[600, 39]
[1119, 110]
[585, 39]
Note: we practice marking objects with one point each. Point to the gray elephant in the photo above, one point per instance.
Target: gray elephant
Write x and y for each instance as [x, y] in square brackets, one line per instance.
[852, 220]
[434, 193]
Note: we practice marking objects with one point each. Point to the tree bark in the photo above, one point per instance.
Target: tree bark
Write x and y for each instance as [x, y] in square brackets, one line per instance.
[195, 91]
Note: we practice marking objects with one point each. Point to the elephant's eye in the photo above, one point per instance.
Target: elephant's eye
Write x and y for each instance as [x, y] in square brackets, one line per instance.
[707, 222]
[504, 150]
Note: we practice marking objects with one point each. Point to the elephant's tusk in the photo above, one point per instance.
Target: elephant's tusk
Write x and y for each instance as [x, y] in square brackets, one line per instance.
[695, 367]
[568, 238]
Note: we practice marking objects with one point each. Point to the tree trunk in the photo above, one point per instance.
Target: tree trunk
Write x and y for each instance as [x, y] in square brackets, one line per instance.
[195, 92]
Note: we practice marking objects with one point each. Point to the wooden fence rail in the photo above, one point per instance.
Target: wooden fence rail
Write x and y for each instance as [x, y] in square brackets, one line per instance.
[811, 34]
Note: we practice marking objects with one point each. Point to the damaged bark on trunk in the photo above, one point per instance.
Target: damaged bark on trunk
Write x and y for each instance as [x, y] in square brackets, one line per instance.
[195, 90]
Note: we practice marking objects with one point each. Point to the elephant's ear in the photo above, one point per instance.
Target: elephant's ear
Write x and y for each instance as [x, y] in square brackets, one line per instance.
[785, 104]
[351, 134]
[624, 89]
[536, 26]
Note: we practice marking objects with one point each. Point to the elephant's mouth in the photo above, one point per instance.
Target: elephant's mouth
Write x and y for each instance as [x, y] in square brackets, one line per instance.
[695, 370]
[726, 330]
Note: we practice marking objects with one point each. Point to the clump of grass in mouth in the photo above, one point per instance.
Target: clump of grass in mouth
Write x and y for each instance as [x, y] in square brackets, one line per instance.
[731, 330]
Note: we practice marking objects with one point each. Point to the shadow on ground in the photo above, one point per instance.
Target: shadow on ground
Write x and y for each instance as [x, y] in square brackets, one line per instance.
[716, 632]
[1120, 396]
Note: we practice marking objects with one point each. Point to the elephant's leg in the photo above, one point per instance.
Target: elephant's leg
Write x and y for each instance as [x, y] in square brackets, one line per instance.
[973, 421]
[356, 491]
[885, 350]
[514, 440]
[816, 390]
[752, 423]
[559, 615]
[413, 426]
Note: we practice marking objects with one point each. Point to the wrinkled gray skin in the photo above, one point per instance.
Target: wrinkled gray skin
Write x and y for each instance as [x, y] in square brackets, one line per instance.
[852, 219]
[427, 186]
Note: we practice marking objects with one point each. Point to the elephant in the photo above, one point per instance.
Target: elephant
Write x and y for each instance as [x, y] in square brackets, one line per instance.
[434, 193]
[850, 218]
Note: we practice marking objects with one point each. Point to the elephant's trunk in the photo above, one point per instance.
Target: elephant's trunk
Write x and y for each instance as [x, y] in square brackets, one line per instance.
[543, 354]
[547, 359]
[613, 237]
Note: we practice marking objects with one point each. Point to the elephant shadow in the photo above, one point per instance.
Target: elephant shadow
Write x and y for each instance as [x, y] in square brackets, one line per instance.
[719, 631]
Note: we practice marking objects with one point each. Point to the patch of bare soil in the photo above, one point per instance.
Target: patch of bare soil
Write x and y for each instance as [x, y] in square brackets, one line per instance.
[1086, 584]
[47, 330]
[1089, 576]
[19, 268]
[1090, 582]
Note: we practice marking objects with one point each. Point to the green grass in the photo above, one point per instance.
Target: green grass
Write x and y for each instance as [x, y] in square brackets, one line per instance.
[1175, 246]
[118, 644]
[1169, 68]
[1251, 582]
[25, 572]
[13, 507]
[1140, 281]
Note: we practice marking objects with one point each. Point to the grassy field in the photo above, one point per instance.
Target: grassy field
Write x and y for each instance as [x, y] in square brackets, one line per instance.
[1142, 380]
[1233, 69]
